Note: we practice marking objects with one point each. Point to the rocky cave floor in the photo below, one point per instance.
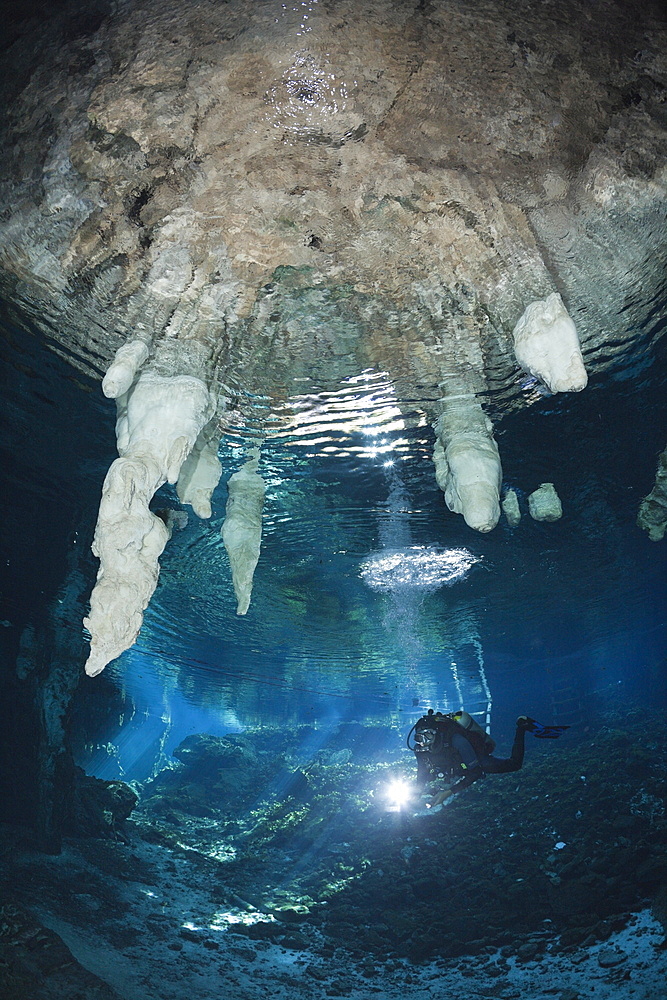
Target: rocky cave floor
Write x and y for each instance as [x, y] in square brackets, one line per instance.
[246, 869]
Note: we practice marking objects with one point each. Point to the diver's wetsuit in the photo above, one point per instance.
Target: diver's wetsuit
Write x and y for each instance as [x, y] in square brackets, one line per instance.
[477, 765]
[442, 760]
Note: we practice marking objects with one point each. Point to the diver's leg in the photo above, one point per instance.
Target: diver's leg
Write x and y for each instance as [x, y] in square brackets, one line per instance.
[495, 765]
[518, 746]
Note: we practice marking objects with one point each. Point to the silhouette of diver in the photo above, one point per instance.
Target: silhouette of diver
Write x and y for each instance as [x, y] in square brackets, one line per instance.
[447, 746]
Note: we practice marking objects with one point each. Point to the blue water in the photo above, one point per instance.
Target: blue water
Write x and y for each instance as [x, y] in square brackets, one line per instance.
[561, 620]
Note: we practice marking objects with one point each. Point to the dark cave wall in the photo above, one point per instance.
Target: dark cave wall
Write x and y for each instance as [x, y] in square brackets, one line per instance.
[53, 429]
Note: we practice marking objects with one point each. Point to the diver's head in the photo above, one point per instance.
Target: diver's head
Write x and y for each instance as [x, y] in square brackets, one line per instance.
[424, 740]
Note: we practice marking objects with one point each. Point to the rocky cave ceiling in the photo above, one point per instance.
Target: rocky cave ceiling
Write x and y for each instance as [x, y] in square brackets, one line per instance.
[208, 202]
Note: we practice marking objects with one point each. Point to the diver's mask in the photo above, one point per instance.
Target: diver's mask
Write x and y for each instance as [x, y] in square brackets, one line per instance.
[424, 740]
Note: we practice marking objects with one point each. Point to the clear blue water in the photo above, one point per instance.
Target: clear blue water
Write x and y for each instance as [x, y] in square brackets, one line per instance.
[562, 619]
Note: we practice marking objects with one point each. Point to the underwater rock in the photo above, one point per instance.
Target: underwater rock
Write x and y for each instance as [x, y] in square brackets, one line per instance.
[290, 914]
[373, 899]
[36, 963]
[39, 771]
[530, 950]
[544, 504]
[208, 753]
[100, 808]
[262, 930]
[218, 772]
[609, 958]
[652, 515]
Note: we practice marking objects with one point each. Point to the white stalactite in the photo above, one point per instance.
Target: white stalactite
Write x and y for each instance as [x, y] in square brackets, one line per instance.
[201, 472]
[511, 509]
[546, 345]
[544, 504]
[159, 420]
[467, 463]
[128, 360]
[242, 527]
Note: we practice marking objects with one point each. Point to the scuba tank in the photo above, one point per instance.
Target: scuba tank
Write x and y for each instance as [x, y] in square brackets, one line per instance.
[480, 737]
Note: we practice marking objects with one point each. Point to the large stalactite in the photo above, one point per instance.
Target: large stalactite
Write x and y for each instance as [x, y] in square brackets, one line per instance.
[159, 421]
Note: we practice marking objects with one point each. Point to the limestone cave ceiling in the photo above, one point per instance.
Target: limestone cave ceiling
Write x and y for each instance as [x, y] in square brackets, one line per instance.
[217, 202]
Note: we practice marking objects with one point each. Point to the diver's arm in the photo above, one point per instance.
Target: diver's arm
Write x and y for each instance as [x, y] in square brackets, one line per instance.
[472, 774]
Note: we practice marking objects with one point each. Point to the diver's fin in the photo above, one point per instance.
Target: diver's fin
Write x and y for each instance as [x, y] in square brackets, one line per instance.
[551, 732]
[539, 731]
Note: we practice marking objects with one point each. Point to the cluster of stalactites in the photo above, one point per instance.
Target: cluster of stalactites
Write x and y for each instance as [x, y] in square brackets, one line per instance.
[543, 505]
[466, 457]
[167, 432]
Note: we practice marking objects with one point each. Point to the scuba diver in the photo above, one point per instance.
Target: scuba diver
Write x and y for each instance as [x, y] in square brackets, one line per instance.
[453, 745]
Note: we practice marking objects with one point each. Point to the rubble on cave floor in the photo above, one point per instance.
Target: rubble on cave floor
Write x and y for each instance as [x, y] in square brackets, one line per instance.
[325, 888]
